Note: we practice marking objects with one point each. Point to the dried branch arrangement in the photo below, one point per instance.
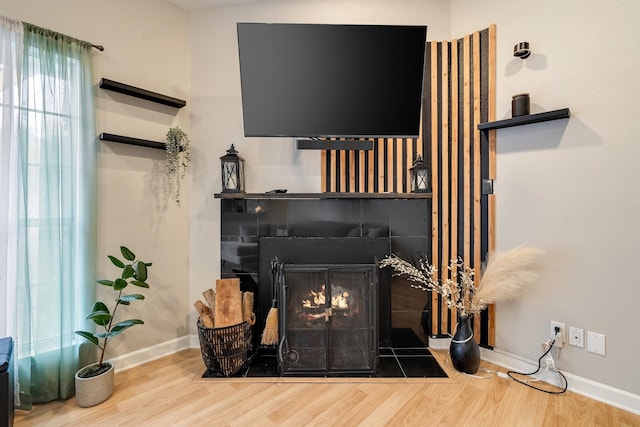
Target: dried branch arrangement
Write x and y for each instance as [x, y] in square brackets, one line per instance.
[503, 277]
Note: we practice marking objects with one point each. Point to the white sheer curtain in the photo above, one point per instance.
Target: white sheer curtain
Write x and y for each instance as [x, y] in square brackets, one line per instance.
[56, 211]
[48, 173]
[10, 65]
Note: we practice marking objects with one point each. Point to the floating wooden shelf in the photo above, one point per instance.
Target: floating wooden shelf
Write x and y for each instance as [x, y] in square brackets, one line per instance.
[141, 93]
[132, 141]
[328, 195]
[525, 120]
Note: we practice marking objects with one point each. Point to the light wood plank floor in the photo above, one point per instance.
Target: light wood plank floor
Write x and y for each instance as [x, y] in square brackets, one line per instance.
[170, 392]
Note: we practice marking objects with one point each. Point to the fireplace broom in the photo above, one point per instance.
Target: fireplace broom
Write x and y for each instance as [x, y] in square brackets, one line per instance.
[270, 333]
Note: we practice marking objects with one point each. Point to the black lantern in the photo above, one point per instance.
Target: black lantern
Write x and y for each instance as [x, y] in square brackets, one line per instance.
[419, 176]
[232, 172]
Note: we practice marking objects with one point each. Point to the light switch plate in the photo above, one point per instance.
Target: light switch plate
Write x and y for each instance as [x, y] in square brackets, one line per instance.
[596, 343]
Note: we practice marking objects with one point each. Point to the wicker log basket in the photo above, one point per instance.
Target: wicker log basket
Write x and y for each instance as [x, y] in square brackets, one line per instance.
[224, 327]
[225, 351]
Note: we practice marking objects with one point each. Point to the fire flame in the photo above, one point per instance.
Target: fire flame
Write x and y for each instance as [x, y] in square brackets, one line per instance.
[338, 300]
[317, 299]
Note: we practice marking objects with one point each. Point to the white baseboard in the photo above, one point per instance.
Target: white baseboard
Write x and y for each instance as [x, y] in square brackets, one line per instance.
[148, 354]
[439, 343]
[601, 392]
[194, 341]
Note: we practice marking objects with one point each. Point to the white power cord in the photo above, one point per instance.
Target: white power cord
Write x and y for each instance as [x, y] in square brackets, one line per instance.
[551, 364]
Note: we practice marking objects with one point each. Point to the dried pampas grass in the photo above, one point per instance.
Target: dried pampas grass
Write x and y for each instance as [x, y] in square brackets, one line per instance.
[505, 274]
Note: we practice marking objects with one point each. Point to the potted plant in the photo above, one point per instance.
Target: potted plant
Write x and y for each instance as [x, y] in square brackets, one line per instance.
[178, 160]
[94, 383]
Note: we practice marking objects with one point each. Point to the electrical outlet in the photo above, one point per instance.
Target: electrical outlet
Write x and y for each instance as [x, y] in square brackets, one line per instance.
[560, 336]
[576, 337]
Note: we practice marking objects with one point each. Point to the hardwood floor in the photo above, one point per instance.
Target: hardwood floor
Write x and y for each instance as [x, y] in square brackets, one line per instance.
[170, 391]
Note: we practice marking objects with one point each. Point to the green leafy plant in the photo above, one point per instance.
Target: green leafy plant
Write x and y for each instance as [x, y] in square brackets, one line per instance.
[133, 272]
[178, 160]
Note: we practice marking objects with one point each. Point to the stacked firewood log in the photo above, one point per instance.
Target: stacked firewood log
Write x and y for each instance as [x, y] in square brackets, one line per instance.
[225, 306]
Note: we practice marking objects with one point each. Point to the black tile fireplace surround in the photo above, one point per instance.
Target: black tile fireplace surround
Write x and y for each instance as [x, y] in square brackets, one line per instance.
[329, 228]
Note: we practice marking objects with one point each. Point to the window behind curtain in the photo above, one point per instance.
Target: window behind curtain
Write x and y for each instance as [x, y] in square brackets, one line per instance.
[56, 212]
[50, 175]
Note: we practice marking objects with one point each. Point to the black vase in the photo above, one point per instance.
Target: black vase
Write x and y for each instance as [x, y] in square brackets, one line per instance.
[464, 350]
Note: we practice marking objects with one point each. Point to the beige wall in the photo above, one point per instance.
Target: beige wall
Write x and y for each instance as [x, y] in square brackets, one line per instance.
[570, 187]
[146, 44]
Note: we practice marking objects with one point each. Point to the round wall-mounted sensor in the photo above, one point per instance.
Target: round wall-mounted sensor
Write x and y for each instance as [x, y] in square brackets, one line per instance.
[521, 50]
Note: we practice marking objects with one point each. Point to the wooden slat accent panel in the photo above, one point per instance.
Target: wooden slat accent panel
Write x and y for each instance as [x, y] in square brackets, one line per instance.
[383, 169]
[459, 93]
[466, 72]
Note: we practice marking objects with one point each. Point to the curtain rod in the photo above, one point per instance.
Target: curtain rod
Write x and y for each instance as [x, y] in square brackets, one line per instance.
[57, 34]
[95, 46]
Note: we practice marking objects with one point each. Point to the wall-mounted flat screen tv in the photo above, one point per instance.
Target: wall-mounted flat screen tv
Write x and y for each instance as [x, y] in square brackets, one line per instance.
[320, 80]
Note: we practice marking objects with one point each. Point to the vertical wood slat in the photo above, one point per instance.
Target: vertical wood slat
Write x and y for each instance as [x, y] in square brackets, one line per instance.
[371, 171]
[450, 143]
[466, 106]
[392, 165]
[410, 148]
[362, 172]
[343, 171]
[436, 307]
[454, 161]
[352, 171]
[381, 169]
[477, 183]
[419, 146]
[491, 310]
[466, 148]
[400, 166]
[324, 174]
[444, 174]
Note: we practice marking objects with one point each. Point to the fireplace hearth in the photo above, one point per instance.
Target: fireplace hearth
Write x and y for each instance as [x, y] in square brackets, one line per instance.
[408, 358]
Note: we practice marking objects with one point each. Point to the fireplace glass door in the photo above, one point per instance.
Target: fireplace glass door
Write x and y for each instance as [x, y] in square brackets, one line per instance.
[328, 323]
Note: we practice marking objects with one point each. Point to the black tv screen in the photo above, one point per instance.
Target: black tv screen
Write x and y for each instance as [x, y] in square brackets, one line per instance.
[319, 80]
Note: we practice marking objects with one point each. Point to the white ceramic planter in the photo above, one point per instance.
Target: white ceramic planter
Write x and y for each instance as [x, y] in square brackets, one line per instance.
[94, 390]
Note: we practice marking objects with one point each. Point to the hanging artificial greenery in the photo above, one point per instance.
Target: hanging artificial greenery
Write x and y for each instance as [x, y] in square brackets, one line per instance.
[178, 160]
